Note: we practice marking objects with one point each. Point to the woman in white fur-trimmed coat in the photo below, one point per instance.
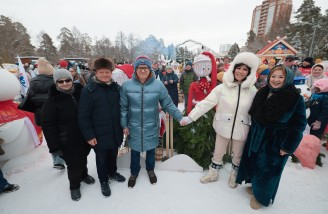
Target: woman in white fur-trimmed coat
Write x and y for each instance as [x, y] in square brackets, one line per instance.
[233, 100]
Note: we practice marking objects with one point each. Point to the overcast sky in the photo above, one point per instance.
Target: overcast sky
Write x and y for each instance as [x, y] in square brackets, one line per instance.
[212, 22]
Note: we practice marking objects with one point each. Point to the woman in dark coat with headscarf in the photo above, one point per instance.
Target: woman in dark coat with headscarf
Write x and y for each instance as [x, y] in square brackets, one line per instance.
[61, 130]
[278, 122]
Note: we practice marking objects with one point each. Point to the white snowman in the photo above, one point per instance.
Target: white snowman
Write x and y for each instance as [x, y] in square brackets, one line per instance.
[16, 128]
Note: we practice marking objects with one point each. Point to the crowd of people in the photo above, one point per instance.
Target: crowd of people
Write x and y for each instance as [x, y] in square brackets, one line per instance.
[259, 111]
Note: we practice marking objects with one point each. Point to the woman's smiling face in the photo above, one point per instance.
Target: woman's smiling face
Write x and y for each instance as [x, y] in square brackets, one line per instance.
[277, 79]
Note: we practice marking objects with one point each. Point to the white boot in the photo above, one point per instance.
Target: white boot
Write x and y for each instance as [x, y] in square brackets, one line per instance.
[213, 174]
[232, 179]
[233, 176]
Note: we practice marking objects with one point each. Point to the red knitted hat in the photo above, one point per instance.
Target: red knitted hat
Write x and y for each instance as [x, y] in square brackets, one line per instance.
[63, 63]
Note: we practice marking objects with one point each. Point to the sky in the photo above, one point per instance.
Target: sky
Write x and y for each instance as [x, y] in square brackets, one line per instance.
[211, 22]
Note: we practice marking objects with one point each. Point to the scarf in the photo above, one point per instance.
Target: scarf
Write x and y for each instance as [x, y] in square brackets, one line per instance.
[100, 82]
[270, 104]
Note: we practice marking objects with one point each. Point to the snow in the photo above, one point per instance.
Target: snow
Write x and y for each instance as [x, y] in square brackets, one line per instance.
[178, 190]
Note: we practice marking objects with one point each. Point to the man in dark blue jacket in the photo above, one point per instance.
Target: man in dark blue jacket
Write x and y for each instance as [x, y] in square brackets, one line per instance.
[99, 121]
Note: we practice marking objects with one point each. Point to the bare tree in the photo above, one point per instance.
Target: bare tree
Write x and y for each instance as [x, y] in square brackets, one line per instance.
[121, 52]
[102, 47]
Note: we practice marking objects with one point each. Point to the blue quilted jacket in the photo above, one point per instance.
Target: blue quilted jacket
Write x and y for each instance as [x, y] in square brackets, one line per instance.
[140, 111]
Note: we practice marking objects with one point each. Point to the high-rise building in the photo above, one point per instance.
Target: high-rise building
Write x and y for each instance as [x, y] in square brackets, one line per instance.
[269, 15]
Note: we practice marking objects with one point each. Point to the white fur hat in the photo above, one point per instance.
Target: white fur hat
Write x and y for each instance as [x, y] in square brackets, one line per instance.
[249, 59]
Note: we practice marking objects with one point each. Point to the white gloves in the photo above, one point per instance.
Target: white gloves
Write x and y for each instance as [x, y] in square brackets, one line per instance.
[185, 121]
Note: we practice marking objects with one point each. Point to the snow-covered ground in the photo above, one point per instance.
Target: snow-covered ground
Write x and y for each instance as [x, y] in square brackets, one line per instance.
[46, 190]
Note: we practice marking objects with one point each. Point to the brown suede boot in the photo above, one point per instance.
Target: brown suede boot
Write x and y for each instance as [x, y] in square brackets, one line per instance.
[249, 190]
[254, 203]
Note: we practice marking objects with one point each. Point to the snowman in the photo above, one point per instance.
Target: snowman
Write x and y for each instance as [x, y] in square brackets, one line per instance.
[204, 67]
[19, 133]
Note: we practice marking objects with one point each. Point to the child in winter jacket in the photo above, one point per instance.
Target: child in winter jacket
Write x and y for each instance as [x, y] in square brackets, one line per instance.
[318, 118]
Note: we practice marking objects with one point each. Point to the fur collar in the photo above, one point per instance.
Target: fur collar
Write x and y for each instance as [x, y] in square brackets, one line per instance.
[270, 110]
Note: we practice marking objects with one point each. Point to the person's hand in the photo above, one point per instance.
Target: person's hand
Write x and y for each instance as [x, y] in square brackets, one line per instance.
[185, 121]
[165, 82]
[316, 125]
[126, 131]
[282, 152]
[92, 142]
[194, 101]
[171, 81]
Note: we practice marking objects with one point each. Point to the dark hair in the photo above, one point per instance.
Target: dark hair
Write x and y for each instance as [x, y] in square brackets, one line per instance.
[240, 64]
[105, 63]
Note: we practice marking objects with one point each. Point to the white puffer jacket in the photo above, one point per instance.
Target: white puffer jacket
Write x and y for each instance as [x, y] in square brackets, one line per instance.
[226, 97]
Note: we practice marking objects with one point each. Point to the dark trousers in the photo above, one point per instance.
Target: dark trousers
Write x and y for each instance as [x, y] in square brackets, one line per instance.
[3, 182]
[106, 163]
[135, 161]
[76, 159]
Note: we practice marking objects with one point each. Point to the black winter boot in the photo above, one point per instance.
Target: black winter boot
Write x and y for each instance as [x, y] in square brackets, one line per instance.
[105, 190]
[152, 177]
[75, 194]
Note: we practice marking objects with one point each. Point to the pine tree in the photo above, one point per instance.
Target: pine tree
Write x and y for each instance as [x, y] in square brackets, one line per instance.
[197, 139]
[302, 32]
[321, 38]
[47, 48]
[66, 39]
[234, 50]
[14, 40]
[253, 43]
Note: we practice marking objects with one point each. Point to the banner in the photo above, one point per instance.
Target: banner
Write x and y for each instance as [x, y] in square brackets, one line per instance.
[22, 77]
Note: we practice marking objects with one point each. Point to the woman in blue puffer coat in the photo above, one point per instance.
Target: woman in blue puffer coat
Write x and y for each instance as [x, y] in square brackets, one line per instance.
[139, 101]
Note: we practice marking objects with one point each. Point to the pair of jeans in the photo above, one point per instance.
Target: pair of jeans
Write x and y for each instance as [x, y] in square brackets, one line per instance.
[135, 161]
[106, 163]
[3, 182]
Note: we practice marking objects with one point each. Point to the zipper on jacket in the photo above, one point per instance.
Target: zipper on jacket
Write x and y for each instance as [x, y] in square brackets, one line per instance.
[234, 119]
[142, 111]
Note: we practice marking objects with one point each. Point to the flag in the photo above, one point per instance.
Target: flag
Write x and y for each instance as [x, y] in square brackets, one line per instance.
[22, 77]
